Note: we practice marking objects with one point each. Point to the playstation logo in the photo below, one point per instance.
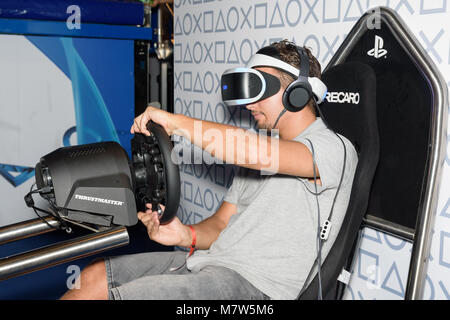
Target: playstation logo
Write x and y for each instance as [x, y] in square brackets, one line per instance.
[377, 51]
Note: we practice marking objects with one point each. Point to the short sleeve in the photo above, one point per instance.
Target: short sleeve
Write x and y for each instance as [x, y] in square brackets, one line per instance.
[328, 151]
[233, 193]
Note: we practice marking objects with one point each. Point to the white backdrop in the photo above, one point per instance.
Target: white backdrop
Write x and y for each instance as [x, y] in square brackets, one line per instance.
[213, 35]
[34, 93]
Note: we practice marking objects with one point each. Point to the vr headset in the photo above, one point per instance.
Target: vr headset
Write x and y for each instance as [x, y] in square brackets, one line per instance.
[242, 86]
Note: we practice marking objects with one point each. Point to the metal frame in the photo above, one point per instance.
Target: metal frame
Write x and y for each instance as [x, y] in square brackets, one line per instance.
[95, 242]
[26, 229]
[425, 221]
[54, 254]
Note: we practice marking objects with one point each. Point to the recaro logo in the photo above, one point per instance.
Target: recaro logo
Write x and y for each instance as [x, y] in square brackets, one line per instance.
[377, 51]
[343, 97]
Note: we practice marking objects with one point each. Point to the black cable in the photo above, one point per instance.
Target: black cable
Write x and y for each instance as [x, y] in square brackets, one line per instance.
[30, 203]
[343, 165]
[278, 119]
[319, 240]
[312, 192]
[316, 193]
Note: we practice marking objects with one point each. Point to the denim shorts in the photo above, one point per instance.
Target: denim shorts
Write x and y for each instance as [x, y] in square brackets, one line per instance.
[148, 276]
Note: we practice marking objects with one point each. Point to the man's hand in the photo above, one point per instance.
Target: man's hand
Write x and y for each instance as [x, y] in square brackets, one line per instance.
[156, 115]
[173, 233]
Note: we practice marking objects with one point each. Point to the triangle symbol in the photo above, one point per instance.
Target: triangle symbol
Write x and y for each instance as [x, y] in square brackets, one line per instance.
[444, 290]
[16, 175]
[376, 237]
[187, 55]
[280, 22]
[220, 20]
[393, 280]
[208, 108]
[260, 46]
[198, 84]
[356, 14]
[188, 170]
[444, 212]
[178, 31]
[234, 52]
[198, 196]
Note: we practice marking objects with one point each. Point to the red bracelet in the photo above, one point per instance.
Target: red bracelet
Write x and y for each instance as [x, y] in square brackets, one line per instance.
[194, 240]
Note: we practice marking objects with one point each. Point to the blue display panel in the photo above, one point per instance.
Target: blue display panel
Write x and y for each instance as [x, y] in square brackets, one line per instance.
[58, 91]
[126, 12]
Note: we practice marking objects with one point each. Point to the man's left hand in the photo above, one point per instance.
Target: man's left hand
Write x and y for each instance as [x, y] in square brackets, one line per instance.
[156, 115]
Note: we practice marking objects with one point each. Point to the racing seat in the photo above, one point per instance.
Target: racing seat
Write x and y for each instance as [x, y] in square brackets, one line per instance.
[350, 110]
[411, 106]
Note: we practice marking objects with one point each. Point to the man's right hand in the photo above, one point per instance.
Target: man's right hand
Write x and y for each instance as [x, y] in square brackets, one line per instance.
[173, 233]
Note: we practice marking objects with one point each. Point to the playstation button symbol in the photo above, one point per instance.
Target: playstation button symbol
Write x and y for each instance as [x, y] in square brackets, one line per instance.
[377, 51]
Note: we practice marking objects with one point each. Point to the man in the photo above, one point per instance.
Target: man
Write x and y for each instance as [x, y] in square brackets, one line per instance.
[263, 240]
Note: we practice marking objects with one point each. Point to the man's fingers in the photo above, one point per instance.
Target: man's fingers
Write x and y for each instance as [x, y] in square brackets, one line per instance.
[149, 205]
[146, 218]
[135, 126]
[153, 227]
[143, 124]
[140, 125]
[155, 219]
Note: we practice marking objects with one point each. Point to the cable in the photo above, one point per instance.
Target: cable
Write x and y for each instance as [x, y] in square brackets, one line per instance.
[30, 203]
[279, 116]
[319, 240]
[343, 165]
[312, 192]
[316, 193]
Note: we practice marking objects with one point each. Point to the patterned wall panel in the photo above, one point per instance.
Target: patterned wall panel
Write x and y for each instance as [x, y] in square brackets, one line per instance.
[213, 35]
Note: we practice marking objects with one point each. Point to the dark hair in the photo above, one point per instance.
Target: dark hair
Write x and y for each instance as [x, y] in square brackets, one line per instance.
[288, 53]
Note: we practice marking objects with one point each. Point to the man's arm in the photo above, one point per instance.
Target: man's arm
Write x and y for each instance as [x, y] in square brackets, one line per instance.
[234, 145]
[175, 233]
[208, 230]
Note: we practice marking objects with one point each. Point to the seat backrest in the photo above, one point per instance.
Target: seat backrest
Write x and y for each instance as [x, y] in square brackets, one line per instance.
[350, 110]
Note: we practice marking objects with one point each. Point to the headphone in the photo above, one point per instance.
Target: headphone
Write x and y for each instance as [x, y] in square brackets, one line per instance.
[299, 92]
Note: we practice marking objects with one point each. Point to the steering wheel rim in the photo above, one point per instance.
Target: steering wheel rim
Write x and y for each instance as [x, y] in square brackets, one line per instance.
[157, 176]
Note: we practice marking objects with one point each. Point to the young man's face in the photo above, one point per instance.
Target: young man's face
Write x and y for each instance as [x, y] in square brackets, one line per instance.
[266, 111]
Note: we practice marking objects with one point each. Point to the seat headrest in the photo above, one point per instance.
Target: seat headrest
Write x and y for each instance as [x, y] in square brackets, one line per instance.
[349, 107]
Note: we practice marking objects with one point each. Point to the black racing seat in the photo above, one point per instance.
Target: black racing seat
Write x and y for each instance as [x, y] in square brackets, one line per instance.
[350, 110]
[412, 111]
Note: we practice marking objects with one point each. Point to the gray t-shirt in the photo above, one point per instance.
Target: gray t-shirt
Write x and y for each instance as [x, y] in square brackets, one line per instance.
[272, 239]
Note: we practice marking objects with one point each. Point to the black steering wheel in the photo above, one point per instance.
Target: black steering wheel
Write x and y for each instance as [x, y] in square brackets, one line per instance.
[157, 178]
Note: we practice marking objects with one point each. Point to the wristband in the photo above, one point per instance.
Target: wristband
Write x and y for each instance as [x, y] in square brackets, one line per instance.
[194, 240]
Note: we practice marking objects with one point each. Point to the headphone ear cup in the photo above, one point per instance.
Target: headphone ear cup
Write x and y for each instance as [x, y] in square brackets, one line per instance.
[297, 95]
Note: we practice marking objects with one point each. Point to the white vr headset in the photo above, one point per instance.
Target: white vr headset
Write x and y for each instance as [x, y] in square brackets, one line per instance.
[246, 85]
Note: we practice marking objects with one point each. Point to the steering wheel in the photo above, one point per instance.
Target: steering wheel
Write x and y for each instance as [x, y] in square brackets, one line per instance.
[157, 178]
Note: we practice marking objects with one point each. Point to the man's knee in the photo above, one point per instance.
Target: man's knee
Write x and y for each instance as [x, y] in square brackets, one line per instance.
[93, 283]
[94, 271]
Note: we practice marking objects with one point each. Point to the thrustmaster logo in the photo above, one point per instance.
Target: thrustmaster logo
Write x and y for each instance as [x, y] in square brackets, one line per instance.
[377, 51]
[94, 199]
